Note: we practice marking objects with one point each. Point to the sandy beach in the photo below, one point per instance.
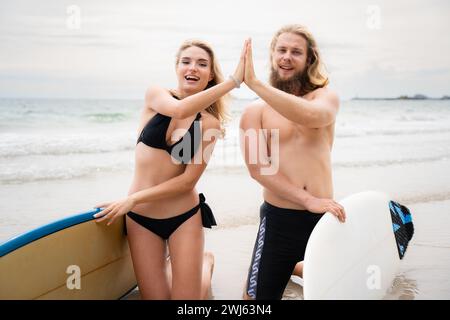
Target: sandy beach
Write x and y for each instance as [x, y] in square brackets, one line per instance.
[235, 199]
[423, 273]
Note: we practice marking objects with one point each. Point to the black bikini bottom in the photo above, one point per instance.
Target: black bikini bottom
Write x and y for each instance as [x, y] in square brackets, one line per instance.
[165, 227]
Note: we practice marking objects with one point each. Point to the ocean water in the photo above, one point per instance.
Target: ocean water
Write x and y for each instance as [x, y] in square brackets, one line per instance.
[43, 140]
[59, 157]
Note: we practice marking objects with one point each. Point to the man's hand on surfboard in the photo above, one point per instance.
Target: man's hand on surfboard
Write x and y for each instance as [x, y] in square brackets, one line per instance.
[318, 205]
[113, 210]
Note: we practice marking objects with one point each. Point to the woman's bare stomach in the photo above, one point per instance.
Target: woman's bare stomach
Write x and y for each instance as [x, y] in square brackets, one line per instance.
[165, 207]
[152, 169]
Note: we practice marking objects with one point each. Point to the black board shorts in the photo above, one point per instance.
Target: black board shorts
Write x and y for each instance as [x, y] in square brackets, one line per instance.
[280, 244]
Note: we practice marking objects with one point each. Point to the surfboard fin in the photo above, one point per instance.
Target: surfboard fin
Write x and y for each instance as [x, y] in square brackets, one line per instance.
[402, 226]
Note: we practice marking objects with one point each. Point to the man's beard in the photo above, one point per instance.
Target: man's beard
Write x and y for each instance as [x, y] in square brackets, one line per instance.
[292, 85]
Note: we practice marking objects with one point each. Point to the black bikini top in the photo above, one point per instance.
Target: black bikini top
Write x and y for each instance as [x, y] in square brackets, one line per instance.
[154, 135]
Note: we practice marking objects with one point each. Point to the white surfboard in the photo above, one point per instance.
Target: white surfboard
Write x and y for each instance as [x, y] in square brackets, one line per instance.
[357, 259]
[72, 258]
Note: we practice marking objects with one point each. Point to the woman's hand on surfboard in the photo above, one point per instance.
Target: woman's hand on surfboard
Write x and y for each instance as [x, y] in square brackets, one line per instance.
[318, 205]
[113, 210]
[249, 75]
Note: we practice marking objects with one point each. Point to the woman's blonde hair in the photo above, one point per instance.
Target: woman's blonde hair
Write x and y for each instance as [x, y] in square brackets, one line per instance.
[218, 108]
[315, 75]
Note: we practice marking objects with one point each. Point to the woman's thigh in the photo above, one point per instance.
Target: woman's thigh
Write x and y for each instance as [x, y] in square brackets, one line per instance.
[148, 252]
[186, 255]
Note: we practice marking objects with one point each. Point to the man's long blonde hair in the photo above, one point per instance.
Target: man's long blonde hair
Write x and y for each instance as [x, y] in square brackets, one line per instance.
[315, 75]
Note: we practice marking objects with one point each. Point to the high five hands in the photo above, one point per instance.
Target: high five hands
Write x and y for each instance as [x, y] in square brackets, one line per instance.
[245, 71]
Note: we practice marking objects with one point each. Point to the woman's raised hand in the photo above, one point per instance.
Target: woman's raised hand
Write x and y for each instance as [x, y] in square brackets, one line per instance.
[240, 69]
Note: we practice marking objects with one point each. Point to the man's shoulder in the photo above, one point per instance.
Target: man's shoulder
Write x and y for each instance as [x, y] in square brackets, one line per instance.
[252, 113]
[325, 92]
[254, 108]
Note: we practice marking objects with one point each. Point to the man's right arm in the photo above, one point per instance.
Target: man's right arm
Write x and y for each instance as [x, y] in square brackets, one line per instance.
[255, 151]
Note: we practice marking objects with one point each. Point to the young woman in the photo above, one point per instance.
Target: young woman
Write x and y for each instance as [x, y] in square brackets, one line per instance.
[177, 132]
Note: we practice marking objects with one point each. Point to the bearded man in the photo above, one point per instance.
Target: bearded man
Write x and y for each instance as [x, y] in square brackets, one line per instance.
[299, 111]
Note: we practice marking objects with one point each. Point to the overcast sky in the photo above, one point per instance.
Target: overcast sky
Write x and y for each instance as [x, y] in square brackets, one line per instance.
[371, 48]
